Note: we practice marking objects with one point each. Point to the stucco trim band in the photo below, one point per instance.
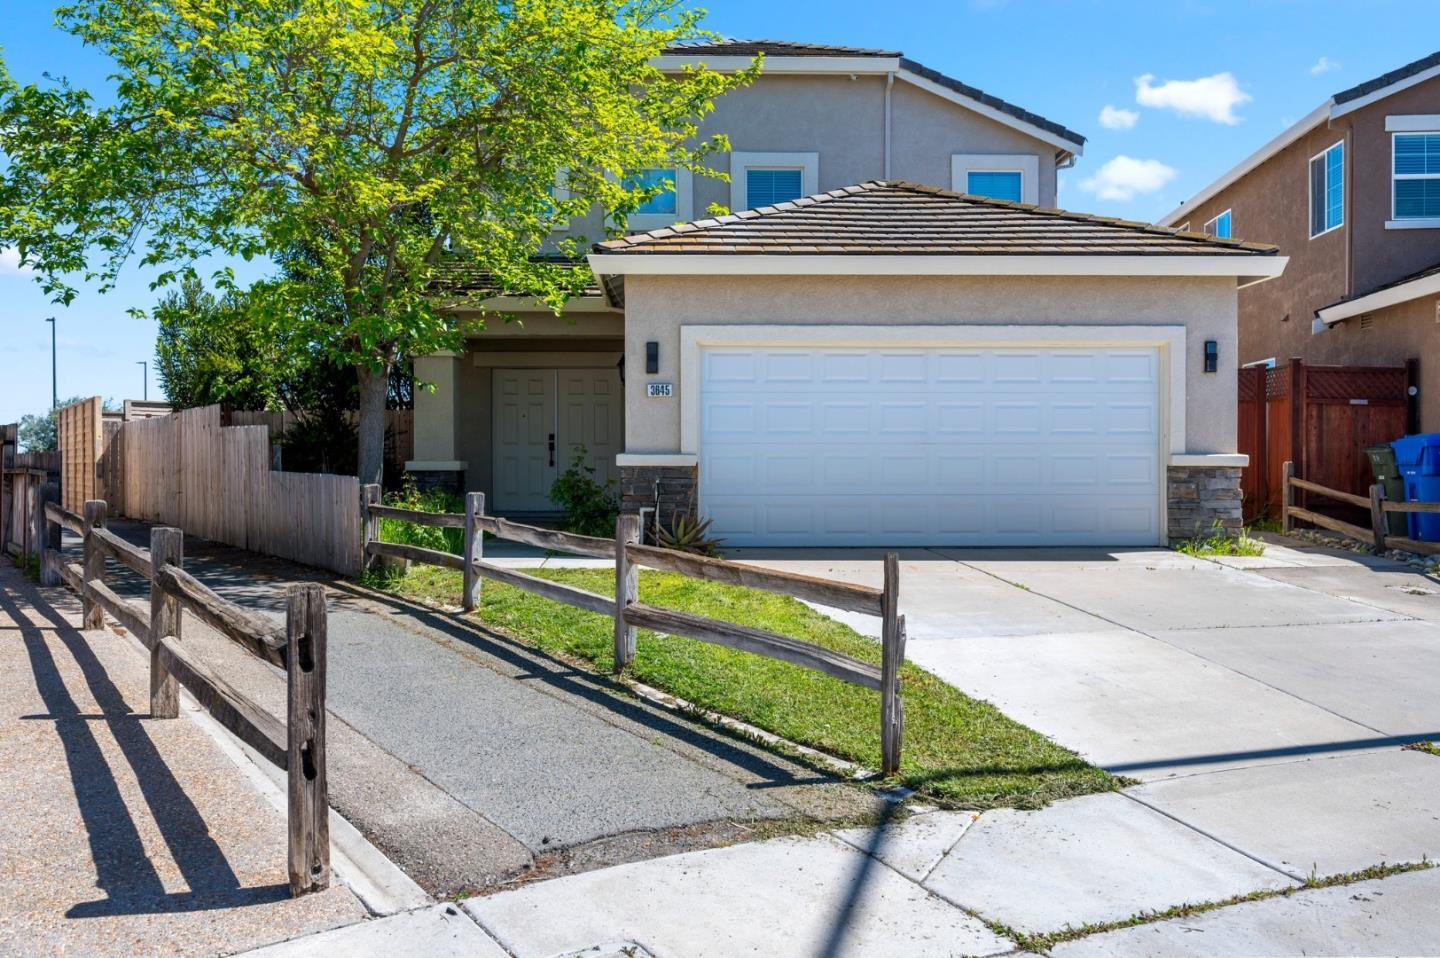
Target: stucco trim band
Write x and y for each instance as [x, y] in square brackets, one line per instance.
[436, 465]
[1247, 269]
[1210, 460]
[1169, 340]
[666, 460]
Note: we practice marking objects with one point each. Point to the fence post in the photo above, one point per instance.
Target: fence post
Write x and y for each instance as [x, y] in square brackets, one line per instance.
[167, 547]
[474, 548]
[1287, 494]
[369, 523]
[309, 817]
[92, 616]
[1377, 515]
[47, 534]
[892, 654]
[627, 587]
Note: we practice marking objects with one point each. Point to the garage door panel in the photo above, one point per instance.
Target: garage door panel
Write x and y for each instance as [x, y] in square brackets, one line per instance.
[917, 446]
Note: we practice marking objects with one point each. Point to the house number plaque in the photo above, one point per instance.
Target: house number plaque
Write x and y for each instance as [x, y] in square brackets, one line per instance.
[659, 390]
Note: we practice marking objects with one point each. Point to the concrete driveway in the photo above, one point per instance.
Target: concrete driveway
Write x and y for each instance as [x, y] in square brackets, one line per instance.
[1263, 702]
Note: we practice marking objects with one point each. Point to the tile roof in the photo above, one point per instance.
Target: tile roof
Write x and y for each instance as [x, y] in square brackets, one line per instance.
[975, 93]
[468, 280]
[727, 46]
[896, 218]
[1384, 80]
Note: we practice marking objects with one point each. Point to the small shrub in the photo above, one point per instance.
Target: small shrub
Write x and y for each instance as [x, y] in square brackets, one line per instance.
[1219, 542]
[591, 507]
[413, 534]
[688, 532]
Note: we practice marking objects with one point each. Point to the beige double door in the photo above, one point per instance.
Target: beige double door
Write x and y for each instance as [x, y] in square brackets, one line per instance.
[542, 419]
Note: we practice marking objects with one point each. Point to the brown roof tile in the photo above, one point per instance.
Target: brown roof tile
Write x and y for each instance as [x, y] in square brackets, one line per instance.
[890, 218]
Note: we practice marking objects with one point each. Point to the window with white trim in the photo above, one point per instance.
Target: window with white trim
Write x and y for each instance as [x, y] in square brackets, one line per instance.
[1415, 169]
[1000, 176]
[765, 179]
[673, 203]
[1327, 190]
[1219, 226]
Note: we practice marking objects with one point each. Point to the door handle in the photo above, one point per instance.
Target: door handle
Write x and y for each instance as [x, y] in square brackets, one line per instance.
[552, 449]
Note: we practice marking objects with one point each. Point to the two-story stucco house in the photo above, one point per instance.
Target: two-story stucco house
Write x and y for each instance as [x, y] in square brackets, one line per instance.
[851, 358]
[1351, 195]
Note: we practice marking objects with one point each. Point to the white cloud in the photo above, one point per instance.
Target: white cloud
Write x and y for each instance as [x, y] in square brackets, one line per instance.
[1114, 118]
[1124, 178]
[1323, 65]
[10, 263]
[1214, 98]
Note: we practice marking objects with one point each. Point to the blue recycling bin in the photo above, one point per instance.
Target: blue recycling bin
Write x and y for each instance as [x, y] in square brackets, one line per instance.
[1419, 460]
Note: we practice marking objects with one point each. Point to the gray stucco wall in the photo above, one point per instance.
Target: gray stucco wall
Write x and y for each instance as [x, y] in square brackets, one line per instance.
[843, 120]
[657, 307]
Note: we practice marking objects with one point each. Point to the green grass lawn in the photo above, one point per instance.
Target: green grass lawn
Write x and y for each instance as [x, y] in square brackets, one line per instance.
[957, 751]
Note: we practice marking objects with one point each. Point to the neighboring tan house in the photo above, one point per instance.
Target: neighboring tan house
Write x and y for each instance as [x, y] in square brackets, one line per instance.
[874, 364]
[1351, 195]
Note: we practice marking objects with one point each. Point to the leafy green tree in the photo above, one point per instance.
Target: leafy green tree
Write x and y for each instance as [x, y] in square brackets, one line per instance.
[378, 134]
[209, 350]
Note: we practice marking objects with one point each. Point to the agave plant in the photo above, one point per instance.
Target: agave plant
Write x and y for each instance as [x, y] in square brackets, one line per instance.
[687, 533]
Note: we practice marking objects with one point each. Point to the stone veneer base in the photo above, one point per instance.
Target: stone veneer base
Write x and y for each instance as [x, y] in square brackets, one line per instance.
[450, 480]
[668, 489]
[1200, 497]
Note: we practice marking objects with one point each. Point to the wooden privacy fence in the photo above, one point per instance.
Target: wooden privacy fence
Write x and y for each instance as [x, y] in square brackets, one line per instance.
[630, 614]
[1378, 535]
[215, 481]
[1321, 418]
[296, 745]
[80, 440]
[22, 474]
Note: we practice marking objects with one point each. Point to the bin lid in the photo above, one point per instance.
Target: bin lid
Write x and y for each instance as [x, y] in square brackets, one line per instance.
[1417, 450]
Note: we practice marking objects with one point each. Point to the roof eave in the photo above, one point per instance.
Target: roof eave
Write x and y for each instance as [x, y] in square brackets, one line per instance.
[1246, 268]
[1380, 299]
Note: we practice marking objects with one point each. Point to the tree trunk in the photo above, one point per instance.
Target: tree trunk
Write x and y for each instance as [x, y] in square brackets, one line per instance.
[374, 388]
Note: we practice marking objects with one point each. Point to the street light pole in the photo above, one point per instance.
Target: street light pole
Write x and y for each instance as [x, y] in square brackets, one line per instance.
[54, 386]
[144, 378]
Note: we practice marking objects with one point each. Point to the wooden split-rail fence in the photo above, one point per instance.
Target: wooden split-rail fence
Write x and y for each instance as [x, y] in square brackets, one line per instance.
[630, 614]
[1380, 508]
[297, 744]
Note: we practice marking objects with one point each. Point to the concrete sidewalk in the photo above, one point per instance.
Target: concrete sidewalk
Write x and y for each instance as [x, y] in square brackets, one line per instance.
[472, 760]
[123, 835]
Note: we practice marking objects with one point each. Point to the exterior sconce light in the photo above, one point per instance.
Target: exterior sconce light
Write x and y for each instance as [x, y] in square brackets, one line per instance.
[1212, 356]
[652, 357]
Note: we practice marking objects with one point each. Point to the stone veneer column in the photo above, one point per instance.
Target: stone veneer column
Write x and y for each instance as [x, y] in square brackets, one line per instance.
[668, 489]
[435, 465]
[1199, 496]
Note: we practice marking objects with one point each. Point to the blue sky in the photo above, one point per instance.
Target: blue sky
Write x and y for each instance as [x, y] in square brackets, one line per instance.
[1224, 77]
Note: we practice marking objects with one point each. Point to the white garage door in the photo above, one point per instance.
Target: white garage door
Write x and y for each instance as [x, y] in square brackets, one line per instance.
[931, 446]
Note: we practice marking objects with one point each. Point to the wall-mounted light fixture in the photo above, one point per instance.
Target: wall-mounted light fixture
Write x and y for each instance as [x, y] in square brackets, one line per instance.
[652, 357]
[1212, 356]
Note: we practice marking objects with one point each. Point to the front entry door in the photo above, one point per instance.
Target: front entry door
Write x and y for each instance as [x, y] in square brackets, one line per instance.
[542, 417]
[525, 440]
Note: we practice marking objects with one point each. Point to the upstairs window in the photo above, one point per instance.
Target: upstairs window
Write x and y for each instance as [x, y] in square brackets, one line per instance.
[1219, 226]
[663, 203]
[765, 179]
[996, 184]
[1416, 176]
[1327, 190]
[766, 186]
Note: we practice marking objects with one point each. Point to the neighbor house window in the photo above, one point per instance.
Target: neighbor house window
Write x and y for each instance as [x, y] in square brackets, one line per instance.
[765, 179]
[1417, 176]
[1327, 190]
[996, 184]
[1219, 226]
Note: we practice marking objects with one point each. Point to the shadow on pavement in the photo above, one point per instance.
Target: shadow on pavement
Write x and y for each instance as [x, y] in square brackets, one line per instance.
[123, 870]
